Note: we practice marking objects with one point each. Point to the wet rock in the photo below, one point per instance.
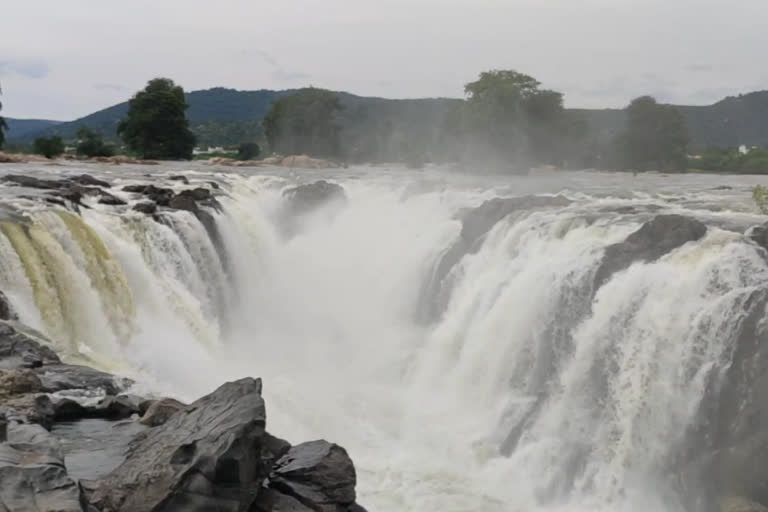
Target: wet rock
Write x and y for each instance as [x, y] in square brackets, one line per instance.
[653, 240]
[6, 310]
[319, 474]
[18, 381]
[759, 235]
[160, 411]
[33, 478]
[115, 407]
[87, 179]
[205, 457]
[3, 428]
[272, 501]
[305, 198]
[66, 409]
[59, 377]
[161, 196]
[146, 207]
[109, 199]
[32, 182]
[179, 177]
[214, 185]
[198, 194]
[18, 350]
[29, 408]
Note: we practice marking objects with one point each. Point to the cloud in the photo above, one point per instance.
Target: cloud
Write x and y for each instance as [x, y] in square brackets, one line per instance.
[108, 87]
[279, 73]
[30, 68]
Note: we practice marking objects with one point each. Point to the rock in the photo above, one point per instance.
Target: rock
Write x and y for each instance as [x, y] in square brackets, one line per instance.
[18, 350]
[184, 202]
[6, 310]
[319, 474]
[18, 381]
[214, 185]
[34, 479]
[59, 377]
[740, 504]
[759, 235]
[653, 240]
[3, 428]
[179, 177]
[198, 194]
[87, 179]
[67, 409]
[29, 408]
[160, 411]
[305, 198]
[115, 407]
[161, 196]
[272, 501]
[205, 457]
[109, 199]
[32, 182]
[147, 207]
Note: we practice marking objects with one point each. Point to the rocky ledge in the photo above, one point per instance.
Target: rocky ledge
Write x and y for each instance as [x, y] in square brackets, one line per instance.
[214, 454]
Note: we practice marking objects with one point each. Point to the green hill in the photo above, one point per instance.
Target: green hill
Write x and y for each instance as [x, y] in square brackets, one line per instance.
[18, 128]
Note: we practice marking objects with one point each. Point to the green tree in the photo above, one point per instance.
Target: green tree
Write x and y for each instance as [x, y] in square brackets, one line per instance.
[656, 137]
[156, 125]
[49, 147]
[3, 125]
[248, 151]
[305, 122]
[508, 114]
[91, 144]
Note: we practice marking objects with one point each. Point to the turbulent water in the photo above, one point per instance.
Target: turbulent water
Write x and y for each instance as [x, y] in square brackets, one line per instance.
[523, 390]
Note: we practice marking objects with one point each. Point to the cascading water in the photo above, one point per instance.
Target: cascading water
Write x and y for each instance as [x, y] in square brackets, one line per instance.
[527, 389]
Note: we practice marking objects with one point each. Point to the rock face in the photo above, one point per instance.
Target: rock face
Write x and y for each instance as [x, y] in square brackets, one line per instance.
[17, 350]
[6, 310]
[653, 240]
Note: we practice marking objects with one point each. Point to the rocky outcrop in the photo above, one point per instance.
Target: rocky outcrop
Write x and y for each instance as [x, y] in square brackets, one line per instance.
[146, 207]
[6, 309]
[305, 198]
[654, 239]
[19, 350]
[160, 411]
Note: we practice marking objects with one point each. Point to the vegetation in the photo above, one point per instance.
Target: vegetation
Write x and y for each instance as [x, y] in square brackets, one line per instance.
[156, 125]
[248, 151]
[91, 144]
[3, 125]
[49, 147]
[760, 195]
[754, 161]
[305, 122]
[656, 137]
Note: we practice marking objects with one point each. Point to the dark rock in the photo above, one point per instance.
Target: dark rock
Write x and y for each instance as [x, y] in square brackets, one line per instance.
[653, 240]
[145, 404]
[179, 177]
[6, 310]
[198, 194]
[109, 199]
[18, 381]
[270, 500]
[3, 428]
[160, 411]
[147, 207]
[18, 350]
[115, 407]
[205, 457]
[67, 409]
[32, 182]
[759, 235]
[319, 474]
[29, 408]
[214, 185]
[59, 377]
[33, 478]
[305, 198]
[87, 179]
[184, 202]
[161, 196]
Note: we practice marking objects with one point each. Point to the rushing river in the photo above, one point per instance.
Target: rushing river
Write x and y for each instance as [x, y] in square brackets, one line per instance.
[467, 390]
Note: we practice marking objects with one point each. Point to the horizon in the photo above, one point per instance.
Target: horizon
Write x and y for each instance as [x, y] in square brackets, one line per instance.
[83, 56]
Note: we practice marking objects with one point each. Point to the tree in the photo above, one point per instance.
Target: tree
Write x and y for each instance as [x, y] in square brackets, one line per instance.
[49, 147]
[156, 125]
[656, 137]
[305, 122]
[248, 151]
[3, 125]
[510, 116]
[91, 144]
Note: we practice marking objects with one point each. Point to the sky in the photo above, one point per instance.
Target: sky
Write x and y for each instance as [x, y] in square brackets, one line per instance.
[63, 60]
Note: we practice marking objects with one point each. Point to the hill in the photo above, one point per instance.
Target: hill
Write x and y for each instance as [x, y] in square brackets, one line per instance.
[18, 128]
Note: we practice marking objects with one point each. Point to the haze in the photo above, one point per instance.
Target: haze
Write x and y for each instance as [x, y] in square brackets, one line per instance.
[62, 60]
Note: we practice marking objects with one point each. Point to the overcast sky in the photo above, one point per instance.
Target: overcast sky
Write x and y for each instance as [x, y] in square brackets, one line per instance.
[64, 59]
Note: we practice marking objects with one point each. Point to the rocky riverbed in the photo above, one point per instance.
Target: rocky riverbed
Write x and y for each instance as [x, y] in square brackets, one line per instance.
[74, 440]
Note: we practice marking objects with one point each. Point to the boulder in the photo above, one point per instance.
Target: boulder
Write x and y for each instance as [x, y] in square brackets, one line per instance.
[33, 478]
[319, 474]
[205, 457]
[18, 381]
[179, 177]
[6, 310]
[115, 407]
[161, 196]
[146, 207]
[66, 409]
[653, 240]
[59, 377]
[29, 408]
[305, 198]
[160, 411]
[87, 179]
[759, 235]
[32, 182]
[198, 194]
[3, 428]
[270, 500]
[18, 350]
[109, 199]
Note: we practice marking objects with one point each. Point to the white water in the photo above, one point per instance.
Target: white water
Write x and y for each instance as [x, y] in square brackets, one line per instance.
[328, 319]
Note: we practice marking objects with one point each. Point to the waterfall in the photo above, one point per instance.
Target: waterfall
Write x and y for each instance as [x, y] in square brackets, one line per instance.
[526, 388]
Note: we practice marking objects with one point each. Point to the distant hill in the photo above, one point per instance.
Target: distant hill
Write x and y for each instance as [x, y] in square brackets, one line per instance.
[222, 116]
[18, 128]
